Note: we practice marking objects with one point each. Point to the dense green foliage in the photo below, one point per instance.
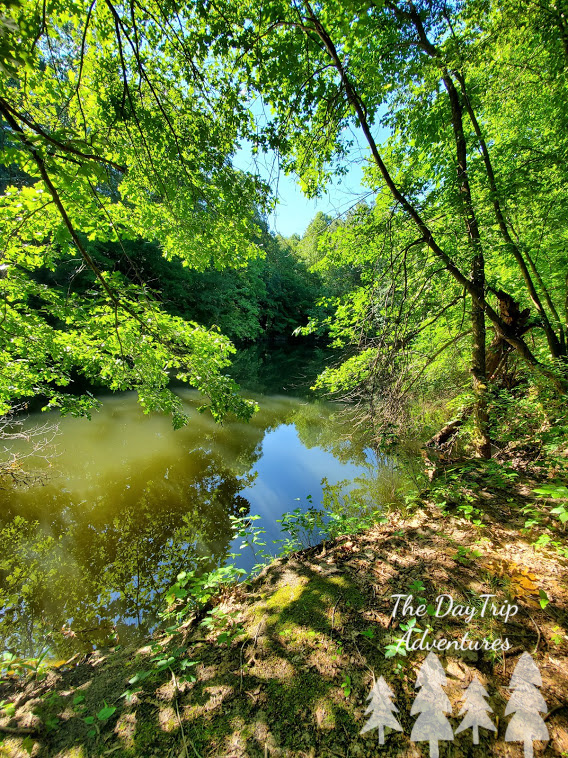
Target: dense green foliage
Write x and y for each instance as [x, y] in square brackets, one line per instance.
[120, 125]
[468, 228]
[121, 138]
[270, 296]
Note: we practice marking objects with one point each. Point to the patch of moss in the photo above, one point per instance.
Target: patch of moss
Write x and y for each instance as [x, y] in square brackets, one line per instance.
[308, 603]
[283, 597]
[149, 738]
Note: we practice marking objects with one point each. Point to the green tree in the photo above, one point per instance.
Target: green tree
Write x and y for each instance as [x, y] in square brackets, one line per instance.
[124, 133]
[425, 70]
[308, 246]
[399, 329]
[130, 124]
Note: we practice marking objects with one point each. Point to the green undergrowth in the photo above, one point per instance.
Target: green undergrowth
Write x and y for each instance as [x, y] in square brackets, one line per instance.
[194, 591]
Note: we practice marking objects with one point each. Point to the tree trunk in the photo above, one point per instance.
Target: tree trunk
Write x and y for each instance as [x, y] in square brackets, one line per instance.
[478, 297]
[481, 440]
[556, 343]
[499, 349]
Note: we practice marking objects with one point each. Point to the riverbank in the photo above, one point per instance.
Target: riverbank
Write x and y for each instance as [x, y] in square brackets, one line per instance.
[284, 664]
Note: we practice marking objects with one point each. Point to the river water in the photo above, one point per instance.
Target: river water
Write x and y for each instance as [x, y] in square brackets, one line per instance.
[124, 503]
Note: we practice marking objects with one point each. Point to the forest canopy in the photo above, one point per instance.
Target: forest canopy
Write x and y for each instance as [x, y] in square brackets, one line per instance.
[120, 126]
[111, 134]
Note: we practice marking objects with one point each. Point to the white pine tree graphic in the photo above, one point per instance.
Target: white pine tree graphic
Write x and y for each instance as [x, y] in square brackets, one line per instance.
[431, 703]
[476, 709]
[526, 703]
[381, 709]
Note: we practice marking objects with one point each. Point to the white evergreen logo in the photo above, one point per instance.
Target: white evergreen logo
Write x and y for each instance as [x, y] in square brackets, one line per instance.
[431, 703]
[476, 709]
[526, 703]
[381, 709]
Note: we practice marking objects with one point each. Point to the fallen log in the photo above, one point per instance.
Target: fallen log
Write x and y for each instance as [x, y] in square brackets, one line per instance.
[438, 447]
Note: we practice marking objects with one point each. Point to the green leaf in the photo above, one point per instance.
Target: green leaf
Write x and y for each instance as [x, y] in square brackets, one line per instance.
[105, 713]
[140, 676]
[416, 587]
[165, 663]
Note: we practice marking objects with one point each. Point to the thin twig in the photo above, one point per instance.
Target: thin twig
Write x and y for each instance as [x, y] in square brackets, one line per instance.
[17, 730]
[554, 710]
[241, 666]
[334, 609]
[537, 631]
[364, 662]
[185, 738]
[252, 657]
[256, 635]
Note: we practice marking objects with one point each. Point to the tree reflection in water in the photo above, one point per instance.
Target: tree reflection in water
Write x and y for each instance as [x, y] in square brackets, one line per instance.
[129, 503]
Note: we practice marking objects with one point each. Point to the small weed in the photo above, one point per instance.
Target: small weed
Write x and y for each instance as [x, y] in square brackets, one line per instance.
[416, 587]
[398, 645]
[556, 492]
[101, 717]
[339, 646]
[534, 516]
[252, 537]
[545, 541]
[543, 599]
[14, 665]
[106, 712]
[470, 513]
[303, 528]
[558, 636]
[466, 556]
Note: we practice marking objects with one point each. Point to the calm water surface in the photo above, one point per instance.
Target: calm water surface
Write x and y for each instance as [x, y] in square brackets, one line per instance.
[126, 503]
